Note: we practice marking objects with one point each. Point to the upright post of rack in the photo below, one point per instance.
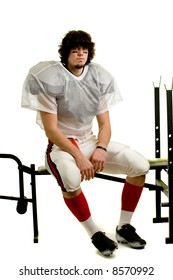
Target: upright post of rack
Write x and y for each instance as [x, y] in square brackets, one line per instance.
[158, 218]
[170, 160]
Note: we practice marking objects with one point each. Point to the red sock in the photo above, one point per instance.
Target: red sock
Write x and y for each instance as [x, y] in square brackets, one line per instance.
[130, 197]
[79, 207]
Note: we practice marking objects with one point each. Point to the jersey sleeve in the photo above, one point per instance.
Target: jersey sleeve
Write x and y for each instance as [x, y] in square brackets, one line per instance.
[36, 97]
[109, 89]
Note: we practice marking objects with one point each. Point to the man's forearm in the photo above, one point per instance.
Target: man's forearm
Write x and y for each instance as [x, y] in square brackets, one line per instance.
[104, 136]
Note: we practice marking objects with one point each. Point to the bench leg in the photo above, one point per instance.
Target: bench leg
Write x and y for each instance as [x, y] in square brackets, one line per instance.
[34, 203]
[159, 218]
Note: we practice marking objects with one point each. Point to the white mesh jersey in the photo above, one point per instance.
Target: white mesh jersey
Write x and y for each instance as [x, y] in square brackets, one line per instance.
[50, 87]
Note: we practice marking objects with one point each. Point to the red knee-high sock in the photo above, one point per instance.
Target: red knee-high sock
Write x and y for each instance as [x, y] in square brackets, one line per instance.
[79, 207]
[130, 197]
[129, 201]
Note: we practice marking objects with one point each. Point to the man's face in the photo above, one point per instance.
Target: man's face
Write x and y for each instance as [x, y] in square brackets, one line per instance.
[77, 58]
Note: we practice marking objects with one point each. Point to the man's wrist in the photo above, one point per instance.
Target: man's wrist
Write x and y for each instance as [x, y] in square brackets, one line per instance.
[101, 147]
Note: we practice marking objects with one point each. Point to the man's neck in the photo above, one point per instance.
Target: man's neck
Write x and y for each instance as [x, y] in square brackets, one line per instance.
[75, 70]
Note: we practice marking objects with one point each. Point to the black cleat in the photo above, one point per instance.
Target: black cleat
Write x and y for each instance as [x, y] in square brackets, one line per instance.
[104, 244]
[127, 235]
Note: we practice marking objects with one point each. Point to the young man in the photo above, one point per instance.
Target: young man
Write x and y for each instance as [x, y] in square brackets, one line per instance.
[68, 95]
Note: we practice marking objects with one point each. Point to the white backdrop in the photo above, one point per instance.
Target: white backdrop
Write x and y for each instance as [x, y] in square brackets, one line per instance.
[133, 41]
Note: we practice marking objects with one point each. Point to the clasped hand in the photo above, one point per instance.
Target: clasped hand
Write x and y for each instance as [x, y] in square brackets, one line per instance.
[88, 167]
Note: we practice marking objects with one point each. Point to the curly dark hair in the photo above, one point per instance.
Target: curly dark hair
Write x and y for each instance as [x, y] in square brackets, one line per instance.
[74, 39]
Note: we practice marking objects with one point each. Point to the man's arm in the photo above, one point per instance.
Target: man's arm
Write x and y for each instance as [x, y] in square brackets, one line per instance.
[104, 135]
[55, 135]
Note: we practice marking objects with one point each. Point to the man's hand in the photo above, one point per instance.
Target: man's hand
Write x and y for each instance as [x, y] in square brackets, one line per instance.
[85, 166]
[98, 159]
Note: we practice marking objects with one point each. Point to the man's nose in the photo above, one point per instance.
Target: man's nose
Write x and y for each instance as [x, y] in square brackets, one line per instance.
[80, 52]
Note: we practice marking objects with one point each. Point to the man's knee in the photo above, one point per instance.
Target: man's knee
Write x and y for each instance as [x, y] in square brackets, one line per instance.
[139, 165]
[71, 179]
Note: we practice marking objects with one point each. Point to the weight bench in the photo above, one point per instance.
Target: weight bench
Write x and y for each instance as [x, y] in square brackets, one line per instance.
[157, 164]
[22, 200]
